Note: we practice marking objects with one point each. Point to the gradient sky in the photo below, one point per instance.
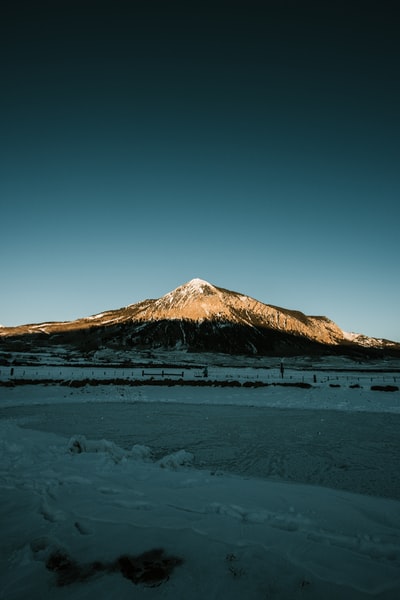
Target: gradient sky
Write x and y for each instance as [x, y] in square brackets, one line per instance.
[251, 144]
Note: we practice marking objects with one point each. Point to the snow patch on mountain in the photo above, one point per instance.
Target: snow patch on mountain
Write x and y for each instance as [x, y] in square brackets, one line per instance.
[198, 285]
[367, 342]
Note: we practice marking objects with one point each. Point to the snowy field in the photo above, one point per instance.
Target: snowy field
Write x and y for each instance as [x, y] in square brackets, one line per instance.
[182, 492]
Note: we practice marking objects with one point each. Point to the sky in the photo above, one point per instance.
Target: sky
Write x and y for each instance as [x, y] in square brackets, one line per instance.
[251, 144]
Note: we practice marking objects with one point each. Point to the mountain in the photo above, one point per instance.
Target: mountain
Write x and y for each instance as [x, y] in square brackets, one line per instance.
[201, 317]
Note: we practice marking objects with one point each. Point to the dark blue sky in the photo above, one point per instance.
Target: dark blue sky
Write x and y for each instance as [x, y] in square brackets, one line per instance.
[252, 144]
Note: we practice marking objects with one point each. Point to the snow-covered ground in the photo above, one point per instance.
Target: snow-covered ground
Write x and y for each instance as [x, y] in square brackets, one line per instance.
[245, 490]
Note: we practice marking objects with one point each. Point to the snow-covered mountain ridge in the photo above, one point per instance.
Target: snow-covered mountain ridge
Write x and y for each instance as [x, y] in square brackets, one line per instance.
[202, 316]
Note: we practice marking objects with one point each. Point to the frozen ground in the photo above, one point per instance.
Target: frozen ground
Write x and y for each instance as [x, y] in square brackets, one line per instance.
[248, 491]
[354, 451]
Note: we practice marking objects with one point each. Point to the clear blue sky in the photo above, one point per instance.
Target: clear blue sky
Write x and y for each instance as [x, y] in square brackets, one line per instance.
[254, 145]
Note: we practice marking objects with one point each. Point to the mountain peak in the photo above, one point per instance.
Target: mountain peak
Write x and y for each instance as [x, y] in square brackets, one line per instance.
[197, 282]
[191, 300]
[197, 285]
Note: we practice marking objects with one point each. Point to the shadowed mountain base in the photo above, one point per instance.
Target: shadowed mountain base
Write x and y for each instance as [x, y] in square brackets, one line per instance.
[207, 336]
